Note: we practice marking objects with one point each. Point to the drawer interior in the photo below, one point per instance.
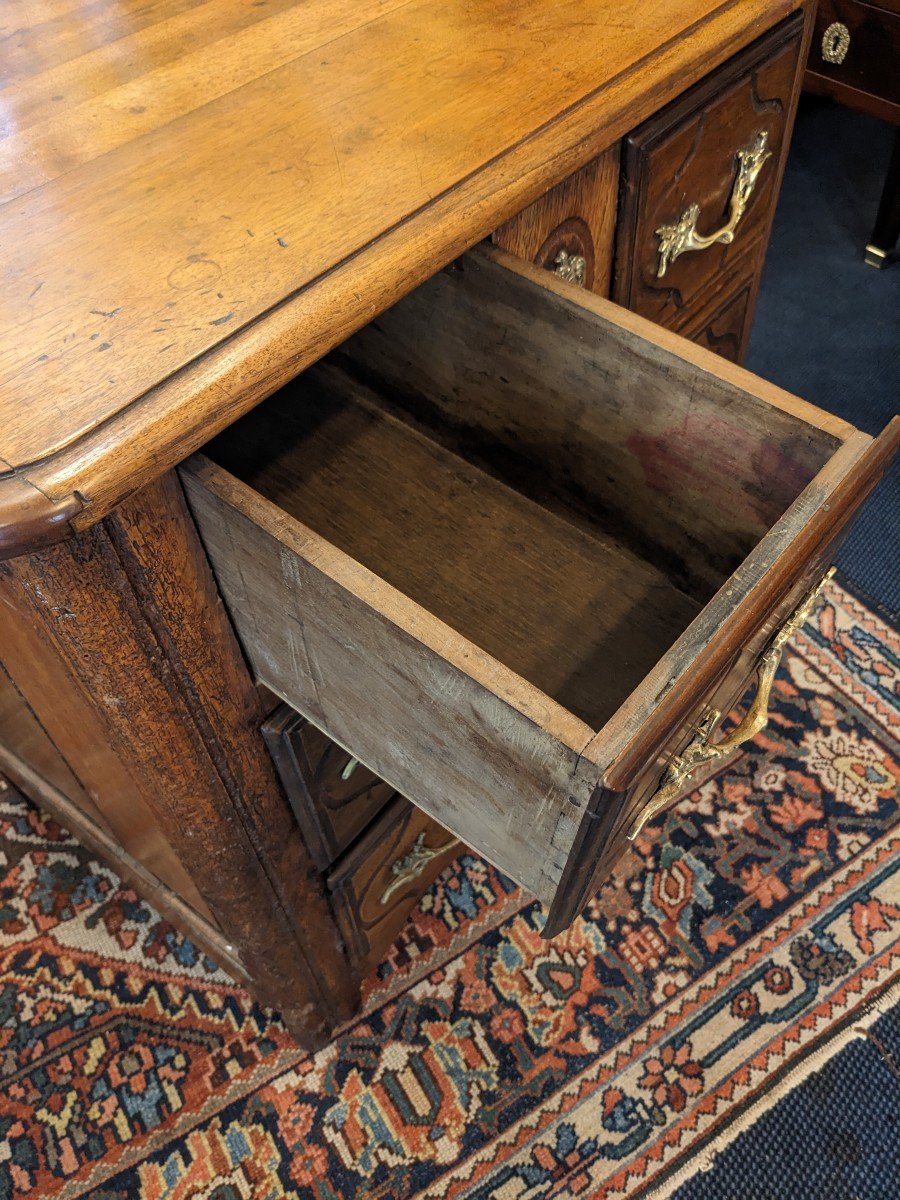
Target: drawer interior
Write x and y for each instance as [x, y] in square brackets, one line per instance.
[566, 604]
[571, 529]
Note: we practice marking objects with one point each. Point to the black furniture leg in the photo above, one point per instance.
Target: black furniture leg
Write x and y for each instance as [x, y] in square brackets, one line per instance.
[883, 241]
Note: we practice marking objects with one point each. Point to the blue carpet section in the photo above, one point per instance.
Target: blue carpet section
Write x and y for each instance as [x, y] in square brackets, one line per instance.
[827, 327]
[835, 1137]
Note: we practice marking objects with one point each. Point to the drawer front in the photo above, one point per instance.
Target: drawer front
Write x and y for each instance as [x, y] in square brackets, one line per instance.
[489, 727]
[723, 323]
[571, 229]
[334, 797]
[656, 780]
[385, 875]
[857, 46]
[707, 165]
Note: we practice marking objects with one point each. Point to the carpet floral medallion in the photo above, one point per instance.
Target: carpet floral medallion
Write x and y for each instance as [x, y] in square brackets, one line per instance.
[749, 933]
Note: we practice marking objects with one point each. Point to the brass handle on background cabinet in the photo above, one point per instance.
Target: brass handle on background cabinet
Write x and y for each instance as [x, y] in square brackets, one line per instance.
[412, 864]
[701, 750]
[677, 239]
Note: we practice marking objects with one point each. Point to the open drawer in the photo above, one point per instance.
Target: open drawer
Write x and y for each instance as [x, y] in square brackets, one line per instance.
[510, 544]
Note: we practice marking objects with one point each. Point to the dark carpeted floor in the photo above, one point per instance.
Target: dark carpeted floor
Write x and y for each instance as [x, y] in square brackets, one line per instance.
[835, 1137]
[827, 327]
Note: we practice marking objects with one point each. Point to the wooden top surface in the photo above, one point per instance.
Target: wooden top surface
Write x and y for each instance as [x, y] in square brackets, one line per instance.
[197, 199]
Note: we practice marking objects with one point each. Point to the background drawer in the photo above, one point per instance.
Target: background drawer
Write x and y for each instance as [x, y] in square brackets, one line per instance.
[334, 797]
[687, 155]
[869, 54]
[720, 324]
[385, 874]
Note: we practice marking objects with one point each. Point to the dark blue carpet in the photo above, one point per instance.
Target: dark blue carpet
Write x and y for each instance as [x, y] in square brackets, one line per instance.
[827, 327]
[835, 1137]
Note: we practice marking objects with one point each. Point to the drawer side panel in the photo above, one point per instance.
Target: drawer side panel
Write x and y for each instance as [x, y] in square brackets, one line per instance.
[393, 686]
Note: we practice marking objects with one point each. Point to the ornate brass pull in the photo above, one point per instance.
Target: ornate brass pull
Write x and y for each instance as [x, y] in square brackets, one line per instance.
[683, 236]
[570, 266]
[413, 863]
[701, 750]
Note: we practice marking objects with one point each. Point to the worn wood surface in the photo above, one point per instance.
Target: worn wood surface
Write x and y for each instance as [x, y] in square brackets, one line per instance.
[868, 79]
[574, 611]
[722, 678]
[371, 920]
[687, 155]
[93, 835]
[576, 218]
[111, 787]
[692, 461]
[754, 601]
[200, 201]
[333, 796]
[20, 730]
[132, 610]
[468, 740]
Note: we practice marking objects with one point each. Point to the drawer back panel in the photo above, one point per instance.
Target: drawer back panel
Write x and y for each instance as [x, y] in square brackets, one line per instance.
[686, 457]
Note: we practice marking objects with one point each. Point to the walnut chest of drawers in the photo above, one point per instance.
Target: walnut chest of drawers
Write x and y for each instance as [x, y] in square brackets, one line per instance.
[369, 491]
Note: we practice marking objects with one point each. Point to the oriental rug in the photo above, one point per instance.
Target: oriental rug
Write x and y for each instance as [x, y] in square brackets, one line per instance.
[749, 936]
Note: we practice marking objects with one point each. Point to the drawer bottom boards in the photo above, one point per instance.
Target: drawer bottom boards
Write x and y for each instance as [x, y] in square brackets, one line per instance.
[511, 544]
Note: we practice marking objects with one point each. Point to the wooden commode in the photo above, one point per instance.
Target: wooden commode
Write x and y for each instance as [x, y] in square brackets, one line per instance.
[377, 478]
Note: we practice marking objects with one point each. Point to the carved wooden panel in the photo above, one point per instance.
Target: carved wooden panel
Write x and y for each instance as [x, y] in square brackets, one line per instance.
[855, 56]
[682, 170]
[384, 876]
[570, 229]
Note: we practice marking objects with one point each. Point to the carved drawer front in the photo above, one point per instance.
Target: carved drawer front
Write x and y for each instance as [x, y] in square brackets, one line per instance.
[857, 46]
[571, 229]
[700, 181]
[512, 546]
[721, 325]
[334, 797]
[381, 879]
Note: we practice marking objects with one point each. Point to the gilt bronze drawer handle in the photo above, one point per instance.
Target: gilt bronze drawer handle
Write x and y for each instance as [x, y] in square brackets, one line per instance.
[835, 42]
[349, 768]
[413, 863]
[701, 750]
[683, 236]
[571, 267]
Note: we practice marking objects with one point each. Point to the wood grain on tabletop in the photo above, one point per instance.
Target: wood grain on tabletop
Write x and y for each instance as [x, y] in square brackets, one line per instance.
[174, 171]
